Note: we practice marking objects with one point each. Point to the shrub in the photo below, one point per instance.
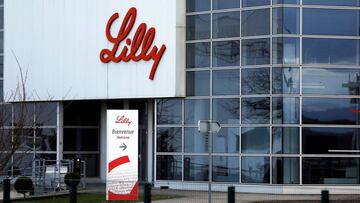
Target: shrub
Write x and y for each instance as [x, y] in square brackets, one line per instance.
[23, 185]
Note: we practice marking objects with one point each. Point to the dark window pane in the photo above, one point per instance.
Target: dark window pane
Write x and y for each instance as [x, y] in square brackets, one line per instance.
[23, 139]
[255, 170]
[198, 27]
[23, 114]
[286, 1]
[196, 110]
[78, 139]
[332, 2]
[226, 25]
[331, 51]
[285, 140]
[333, 140]
[255, 22]
[5, 142]
[286, 50]
[168, 167]
[225, 169]
[331, 170]
[226, 82]
[169, 111]
[198, 83]
[92, 160]
[1, 67]
[81, 113]
[196, 168]
[226, 111]
[286, 81]
[198, 55]
[330, 111]
[168, 140]
[6, 115]
[286, 170]
[248, 3]
[255, 81]
[221, 4]
[194, 141]
[226, 53]
[226, 141]
[331, 81]
[23, 164]
[2, 18]
[331, 22]
[286, 21]
[255, 111]
[45, 139]
[286, 110]
[255, 140]
[1, 41]
[255, 51]
[197, 5]
[46, 114]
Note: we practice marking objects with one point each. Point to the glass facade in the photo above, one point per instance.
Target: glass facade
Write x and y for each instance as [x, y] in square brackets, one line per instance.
[282, 78]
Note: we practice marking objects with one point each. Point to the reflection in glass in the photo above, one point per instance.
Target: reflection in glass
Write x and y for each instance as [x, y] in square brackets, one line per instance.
[225, 169]
[194, 141]
[198, 27]
[331, 170]
[286, 21]
[255, 170]
[286, 50]
[226, 111]
[226, 140]
[255, 140]
[286, 81]
[168, 167]
[198, 55]
[195, 110]
[169, 111]
[196, 168]
[255, 81]
[286, 1]
[5, 141]
[332, 140]
[168, 140]
[81, 139]
[221, 4]
[45, 139]
[248, 3]
[332, 2]
[23, 114]
[226, 82]
[285, 170]
[46, 114]
[285, 140]
[226, 53]
[255, 110]
[197, 5]
[226, 24]
[255, 51]
[6, 115]
[339, 81]
[198, 83]
[286, 110]
[26, 135]
[255, 22]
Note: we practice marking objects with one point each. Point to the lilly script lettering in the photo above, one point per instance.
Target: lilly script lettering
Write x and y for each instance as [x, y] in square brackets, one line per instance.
[123, 120]
[142, 38]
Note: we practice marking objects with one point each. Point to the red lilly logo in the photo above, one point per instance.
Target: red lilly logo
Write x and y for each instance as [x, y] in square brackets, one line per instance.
[142, 38]
[123, 120]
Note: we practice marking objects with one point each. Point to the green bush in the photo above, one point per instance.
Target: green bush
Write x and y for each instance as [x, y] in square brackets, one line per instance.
[24, 185]
[72, 177]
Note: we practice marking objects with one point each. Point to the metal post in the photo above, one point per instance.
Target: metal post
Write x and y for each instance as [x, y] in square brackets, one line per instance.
[325, 196]
[6, 194]
[210, 164]
[147, 193]
[73, 192]
[231, 194]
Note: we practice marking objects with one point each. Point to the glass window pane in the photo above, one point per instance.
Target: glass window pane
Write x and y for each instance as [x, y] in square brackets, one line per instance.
[81, 113]
[198, 27]
[285, 140]
[168, 167]
[197, 5]
[226, 82]
[286, 110]
[46, 114]
[332, 2]
[226, 140]
[255, 22]
[331, 22]
[225, 169]
[168, 140]
[198, 83]
[248, 3]
[194, 141]
[285, 170]
[286, 21]
[330, 111]
[255, 140]
[81, 139]
[255, 51]
[221, 4]
[226, 53]
[331, 81]
[45, 139]
[196, 110]
[255, 111]
[1, 68]
[6, 115]
[255, 81]
[255, 170]
[196, 168]
[23, 114]
[226, 111]
[24, 138]
[286, 1]
[331, 170]
[286, 81]
[331, 51]
[5, 142]
[226, 25]
[286, 50]
[169, 111]
[198, 55]
[333, 140]
[1, 17]
[1, 41]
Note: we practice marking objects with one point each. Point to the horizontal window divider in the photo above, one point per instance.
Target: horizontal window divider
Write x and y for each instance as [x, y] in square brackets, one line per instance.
[45, 152]
[226, 39]
[255, 125]
[254, 155]
[332, 7]
[84, 127]
[82, 152]
[285, 155]
[330, 66]
[198, 13]
[331, 155]
[168, 153]
[198, 69]
[331, 96]
[216, 68]
[226, 97]
[198, 41]
[255, 66]
[255, 95]
[256, 37]
[196, 154]
[286, 6]
[169, 125]
[197, 97]
[287, 95]
[305, 36]
[226, 10]
[255, 7]
[329, 126]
